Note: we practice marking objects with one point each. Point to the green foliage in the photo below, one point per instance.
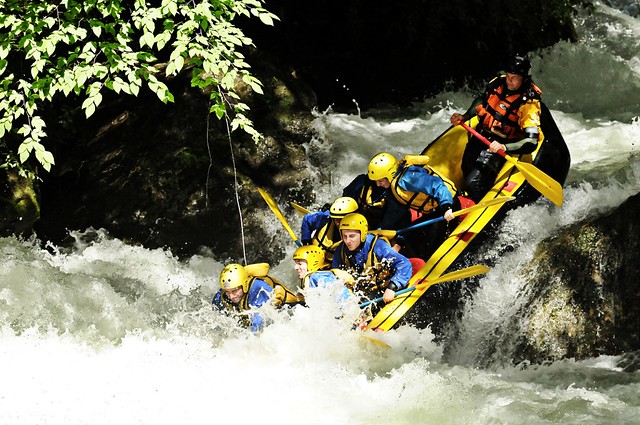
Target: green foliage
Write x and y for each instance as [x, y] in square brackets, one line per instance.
[84, 47]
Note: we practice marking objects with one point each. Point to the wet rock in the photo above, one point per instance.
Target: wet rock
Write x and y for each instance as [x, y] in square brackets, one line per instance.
[20, 203]
[583, 297]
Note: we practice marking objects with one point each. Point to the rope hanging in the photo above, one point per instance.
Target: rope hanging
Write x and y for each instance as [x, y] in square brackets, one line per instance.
[235, 180]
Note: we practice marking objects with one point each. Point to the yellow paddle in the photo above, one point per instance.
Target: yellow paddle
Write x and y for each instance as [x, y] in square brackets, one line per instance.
[274, 207]
[544, 184]
[390, 234]
[302, 210]
[458, 274]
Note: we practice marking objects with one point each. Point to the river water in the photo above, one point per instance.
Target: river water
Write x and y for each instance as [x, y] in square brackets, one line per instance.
[108, 333]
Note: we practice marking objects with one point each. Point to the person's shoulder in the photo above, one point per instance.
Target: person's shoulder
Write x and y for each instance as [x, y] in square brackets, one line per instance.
[361, 178]
[337, 252]
[317, 214]
[379, 242]
[217, 296]
[416, 169]
[370, 237]
[416, 172]
[533, 91]
[356, 184]
[322, 275]
[259, 283]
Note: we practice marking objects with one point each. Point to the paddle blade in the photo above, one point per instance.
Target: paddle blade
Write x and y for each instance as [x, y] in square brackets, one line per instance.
[485, 204]
[456, 275]
[374, 340]
[269, 200]
[302, 210]
[540, 181]
[276, 210]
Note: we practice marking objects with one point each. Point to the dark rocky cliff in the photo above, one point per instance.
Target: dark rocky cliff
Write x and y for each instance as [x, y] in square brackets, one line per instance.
[373, 51]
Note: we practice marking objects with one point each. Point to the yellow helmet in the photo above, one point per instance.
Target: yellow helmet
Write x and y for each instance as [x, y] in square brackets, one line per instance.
[382, 165]
[234, 275]
[313, 255]
[355, 222]
[343, 206]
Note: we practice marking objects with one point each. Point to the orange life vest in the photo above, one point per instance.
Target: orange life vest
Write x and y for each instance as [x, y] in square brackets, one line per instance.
[498, 112]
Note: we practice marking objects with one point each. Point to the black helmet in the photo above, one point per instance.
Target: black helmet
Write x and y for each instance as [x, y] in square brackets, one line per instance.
[519, 65]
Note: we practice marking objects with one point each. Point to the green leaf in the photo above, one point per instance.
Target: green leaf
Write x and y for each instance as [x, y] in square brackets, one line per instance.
[255, 84]
[134, 88]
[179, 63]
[23, 155]
[25, 130]
[266, 19]
[218, 109]
[171, 69]
[89, 110]
[44, 157]
[88, 101]
[228, 81]
[147, 38]
[173, 8]
[38, 122]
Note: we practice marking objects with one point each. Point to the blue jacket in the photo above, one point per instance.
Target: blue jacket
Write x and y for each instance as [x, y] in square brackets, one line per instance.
[312, 222]
[399, 265]
[418, 180]
[323, 278]
[259, 293]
